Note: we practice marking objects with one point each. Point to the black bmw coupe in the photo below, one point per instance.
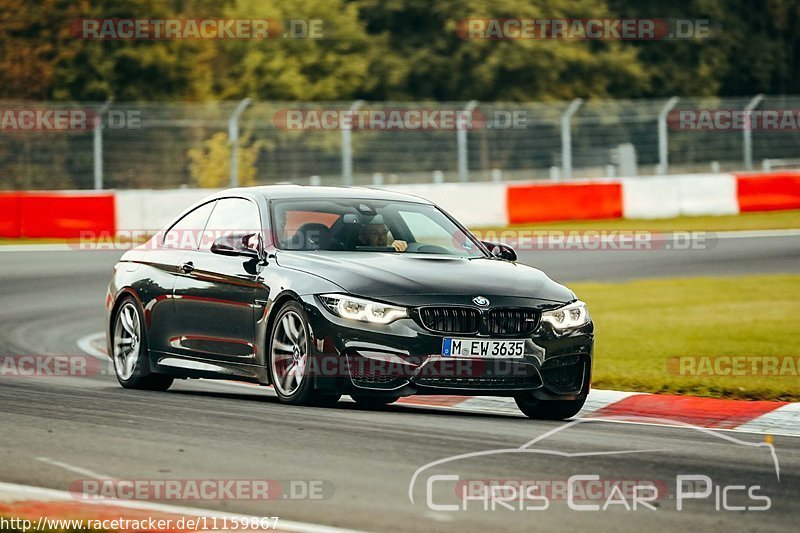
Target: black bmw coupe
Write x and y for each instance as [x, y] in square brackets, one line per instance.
[324, 291]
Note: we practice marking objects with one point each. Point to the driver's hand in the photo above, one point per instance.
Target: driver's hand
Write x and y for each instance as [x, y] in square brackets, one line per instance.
[400, 246]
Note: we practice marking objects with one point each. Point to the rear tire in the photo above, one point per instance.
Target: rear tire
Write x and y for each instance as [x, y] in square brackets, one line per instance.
[289, 356]
[549, 409]
[129, 350]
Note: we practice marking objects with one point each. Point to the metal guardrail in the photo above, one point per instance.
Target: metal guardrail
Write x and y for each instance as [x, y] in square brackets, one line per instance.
[775, 164]
[167, 145]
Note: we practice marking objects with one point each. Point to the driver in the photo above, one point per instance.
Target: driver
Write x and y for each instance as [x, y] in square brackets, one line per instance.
[377, 234]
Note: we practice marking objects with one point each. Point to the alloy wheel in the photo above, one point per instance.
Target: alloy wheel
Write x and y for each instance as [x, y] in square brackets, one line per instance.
[289, 353]
[127, 341]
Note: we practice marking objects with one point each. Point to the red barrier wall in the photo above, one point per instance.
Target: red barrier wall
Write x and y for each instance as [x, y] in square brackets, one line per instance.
[9, 215]
[768, 192]
[55, 214]
[542, 203]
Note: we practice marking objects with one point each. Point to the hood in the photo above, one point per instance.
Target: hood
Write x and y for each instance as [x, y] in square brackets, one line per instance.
[383, 274]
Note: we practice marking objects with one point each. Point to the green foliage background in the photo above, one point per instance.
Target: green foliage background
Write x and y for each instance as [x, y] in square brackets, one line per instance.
[396, 50]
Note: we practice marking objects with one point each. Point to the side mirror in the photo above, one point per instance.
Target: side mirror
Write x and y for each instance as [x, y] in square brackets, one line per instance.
[501, 251]
[239, 244]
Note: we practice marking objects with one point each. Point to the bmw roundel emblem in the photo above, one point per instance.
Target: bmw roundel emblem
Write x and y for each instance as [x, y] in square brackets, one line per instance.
[480, 300]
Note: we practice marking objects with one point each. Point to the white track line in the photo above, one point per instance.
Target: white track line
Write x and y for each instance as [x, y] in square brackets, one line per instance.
[754, 234]
[29, 492]
[37, 248]
[74, 469]
[86, 343]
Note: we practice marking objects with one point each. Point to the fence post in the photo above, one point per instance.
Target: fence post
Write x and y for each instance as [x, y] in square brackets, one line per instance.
[233, 137]
[566, 137]
[663, 152]
[347, 144]
[461, 137]
[747, 131]
[98, 146]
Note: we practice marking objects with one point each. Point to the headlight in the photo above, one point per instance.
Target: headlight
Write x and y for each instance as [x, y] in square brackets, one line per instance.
[567, 317]
[363, 310]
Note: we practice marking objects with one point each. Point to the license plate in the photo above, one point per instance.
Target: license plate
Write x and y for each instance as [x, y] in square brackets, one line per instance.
[489, 349]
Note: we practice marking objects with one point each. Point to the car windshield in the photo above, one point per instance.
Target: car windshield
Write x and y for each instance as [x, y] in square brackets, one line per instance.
[358, 225]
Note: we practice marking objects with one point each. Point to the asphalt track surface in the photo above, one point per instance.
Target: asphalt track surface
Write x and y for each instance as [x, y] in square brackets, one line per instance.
[218, 431]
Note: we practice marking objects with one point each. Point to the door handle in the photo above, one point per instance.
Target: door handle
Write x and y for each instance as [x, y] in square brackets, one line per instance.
[187, 267]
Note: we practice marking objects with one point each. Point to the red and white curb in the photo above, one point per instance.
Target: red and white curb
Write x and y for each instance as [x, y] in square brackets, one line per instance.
[774, 418]
[46, 506]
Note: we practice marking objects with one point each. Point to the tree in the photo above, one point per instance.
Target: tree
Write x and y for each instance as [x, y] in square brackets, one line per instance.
[44, 56]
[753, 47]
[333, 67]
[437, 63]
[211, 164]
[395, 49]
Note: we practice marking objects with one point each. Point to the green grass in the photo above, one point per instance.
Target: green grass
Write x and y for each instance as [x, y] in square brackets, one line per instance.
[640, 325]
[744, 221]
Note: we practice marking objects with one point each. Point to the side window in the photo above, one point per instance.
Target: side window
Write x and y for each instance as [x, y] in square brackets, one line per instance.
[231, 215]
[185, 233]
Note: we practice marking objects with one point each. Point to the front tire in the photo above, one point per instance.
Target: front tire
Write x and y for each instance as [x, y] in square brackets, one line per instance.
[289, 359]
[130, 353]
[373, 402]
[549, 409]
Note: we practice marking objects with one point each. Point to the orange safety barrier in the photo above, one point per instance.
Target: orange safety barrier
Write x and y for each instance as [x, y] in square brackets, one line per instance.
[574, 201]
[768, 192]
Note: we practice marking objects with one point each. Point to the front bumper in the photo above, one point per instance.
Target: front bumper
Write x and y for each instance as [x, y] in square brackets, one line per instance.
[404, 358]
